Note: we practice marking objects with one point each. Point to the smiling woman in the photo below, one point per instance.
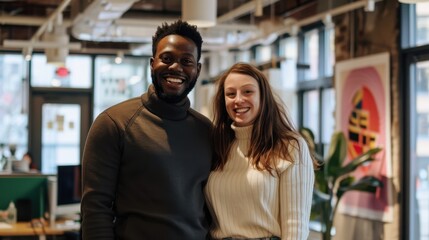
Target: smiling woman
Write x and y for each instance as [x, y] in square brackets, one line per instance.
[242, 98]
[257, 151]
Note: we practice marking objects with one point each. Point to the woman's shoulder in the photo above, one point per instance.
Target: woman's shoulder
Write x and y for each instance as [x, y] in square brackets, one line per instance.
[298, 152]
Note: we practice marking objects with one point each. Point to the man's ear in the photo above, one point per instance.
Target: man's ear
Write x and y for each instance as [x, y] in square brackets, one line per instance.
[151, 63]
[198, 69]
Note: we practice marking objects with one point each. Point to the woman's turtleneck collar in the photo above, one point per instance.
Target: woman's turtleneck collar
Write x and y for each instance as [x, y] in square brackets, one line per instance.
[242, 132]
[170, 111]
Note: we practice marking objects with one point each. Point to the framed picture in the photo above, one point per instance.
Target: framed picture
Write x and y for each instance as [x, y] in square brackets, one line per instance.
[362, 88]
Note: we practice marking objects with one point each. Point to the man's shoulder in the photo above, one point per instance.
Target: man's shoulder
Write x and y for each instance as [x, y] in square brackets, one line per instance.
[200, 117]
[125, 110]
[125, 106]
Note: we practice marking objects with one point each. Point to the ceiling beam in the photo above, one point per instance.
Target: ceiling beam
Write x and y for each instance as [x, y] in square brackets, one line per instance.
[50, 20]
[27, 21]
[40, 45]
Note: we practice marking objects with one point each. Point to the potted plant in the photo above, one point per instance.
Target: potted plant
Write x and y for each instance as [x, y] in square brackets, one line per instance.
[333, 179]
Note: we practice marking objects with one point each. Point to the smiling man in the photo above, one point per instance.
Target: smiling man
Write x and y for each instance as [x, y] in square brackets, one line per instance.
[146, 160]
[174, 67]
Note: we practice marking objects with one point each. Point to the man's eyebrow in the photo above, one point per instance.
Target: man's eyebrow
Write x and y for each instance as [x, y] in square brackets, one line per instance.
[172, 53]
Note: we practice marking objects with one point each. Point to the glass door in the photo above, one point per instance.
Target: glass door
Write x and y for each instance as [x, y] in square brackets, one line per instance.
[58, 129]
[416, 145]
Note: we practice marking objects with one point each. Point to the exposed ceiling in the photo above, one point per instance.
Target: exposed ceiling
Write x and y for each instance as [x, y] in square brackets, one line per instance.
[106, 26]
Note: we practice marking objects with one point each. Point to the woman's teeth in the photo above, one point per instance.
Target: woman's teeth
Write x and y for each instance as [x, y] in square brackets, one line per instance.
[241, 110]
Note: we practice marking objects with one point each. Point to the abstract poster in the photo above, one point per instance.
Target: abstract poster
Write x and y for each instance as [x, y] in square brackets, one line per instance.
[363, 114]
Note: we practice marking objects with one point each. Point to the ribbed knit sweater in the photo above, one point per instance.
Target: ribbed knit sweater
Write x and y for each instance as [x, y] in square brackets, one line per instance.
[248, 203]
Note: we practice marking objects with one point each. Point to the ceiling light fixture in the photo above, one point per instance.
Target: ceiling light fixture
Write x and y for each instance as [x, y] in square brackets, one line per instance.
[370, 5]
[26, 52]
[57, 56]
[119, 57]
[202, 13]
[327, 21]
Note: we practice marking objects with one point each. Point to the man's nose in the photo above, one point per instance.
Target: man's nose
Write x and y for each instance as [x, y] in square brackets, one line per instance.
[176, 66]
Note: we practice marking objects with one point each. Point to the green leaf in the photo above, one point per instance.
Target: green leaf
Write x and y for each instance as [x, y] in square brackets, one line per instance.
[365, 184]
[358, 161]
[347, 181]
[321, 182]
[319, 197]
[336, 155]
[324, 205]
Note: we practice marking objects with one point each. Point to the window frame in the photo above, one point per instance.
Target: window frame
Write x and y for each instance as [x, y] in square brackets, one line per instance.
[321, 83]
[409, 54]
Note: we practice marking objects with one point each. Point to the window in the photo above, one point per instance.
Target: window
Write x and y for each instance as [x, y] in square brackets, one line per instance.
[422, 23]
[329, 50]
[328, 117]
[76, 74]
[311, 54]
[243, 56]
[263, 53]
[415, 124]
[315, 76]
[288, 50]
[115, 83]
[311, 117]
[60, 135]
[13, 103]
[418, 158]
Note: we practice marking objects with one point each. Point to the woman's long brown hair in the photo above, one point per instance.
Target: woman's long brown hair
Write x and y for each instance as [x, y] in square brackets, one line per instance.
[272, 133]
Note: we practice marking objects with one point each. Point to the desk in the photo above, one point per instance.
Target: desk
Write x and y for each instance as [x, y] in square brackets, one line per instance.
[25, 229]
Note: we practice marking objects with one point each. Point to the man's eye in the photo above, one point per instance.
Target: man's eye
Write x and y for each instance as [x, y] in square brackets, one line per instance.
[165, 59]
[187, 61]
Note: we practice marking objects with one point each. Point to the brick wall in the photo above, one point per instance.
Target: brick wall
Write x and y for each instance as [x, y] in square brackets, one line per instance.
[359, 33]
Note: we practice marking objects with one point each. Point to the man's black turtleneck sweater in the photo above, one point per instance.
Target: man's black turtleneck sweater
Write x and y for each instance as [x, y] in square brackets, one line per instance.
[145, 165]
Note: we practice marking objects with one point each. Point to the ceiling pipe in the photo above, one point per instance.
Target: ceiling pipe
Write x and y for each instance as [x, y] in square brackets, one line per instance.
[143, 22]
[34, 42]
[333, 12]
[124, 24]
[40, 45]
[51, 18]
[286, 28]
[26, 21]
[36, 21]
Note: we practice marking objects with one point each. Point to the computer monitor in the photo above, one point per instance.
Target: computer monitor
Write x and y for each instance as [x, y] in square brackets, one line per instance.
[69, 190]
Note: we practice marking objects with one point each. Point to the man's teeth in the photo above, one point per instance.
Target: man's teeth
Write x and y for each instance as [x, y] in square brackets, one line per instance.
[174, 80]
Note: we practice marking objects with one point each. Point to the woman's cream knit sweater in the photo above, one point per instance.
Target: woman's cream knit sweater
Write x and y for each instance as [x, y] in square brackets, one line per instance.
[247, 203]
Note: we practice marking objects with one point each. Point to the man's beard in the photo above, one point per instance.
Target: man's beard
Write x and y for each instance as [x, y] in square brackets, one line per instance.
[169, 98]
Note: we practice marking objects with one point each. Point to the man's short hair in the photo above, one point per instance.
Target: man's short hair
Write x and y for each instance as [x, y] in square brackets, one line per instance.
[181, 28]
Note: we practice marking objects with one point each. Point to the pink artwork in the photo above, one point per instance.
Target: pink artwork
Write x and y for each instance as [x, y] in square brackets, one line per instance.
[363, 115]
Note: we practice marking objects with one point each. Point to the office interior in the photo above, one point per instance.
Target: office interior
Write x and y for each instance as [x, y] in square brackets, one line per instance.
[62, 62]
